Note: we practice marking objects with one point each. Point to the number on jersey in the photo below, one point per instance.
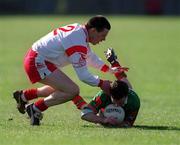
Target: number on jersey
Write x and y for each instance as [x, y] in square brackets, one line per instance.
[64, 29]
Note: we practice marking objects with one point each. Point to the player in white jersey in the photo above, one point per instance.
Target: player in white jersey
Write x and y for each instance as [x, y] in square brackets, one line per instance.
[44, 60]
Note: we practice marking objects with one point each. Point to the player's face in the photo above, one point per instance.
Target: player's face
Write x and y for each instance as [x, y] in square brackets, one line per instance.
[119, 102]
[95, 37]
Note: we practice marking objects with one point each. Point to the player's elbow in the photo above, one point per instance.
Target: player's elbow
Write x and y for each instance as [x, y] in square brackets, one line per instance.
[83, 117]
[86, 114]
[86, 80]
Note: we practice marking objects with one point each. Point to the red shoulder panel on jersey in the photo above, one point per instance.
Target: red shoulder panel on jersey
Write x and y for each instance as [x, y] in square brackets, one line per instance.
[75, 49]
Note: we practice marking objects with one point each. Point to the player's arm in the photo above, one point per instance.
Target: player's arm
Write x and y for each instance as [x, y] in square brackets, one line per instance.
[127, 82]
[112, 59]
[128, 121]
[123, 125]
[77, 57]
[88, 115]
[94, 61]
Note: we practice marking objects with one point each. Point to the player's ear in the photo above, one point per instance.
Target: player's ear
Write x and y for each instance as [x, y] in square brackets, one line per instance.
[92, 30]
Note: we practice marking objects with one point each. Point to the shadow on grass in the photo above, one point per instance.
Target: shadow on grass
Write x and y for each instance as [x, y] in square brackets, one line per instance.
[142, 127]
[146, 127]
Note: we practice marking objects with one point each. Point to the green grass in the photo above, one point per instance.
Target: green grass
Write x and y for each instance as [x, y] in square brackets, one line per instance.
[148, 45]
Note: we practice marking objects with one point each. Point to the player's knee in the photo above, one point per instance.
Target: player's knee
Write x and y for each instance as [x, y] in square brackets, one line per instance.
[74, 91]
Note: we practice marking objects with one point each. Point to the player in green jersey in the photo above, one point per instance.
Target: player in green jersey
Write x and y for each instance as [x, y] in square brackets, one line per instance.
[130, 103]
[121, 94]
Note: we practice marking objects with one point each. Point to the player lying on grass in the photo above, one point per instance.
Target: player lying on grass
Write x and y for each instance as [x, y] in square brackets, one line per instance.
[121, 94]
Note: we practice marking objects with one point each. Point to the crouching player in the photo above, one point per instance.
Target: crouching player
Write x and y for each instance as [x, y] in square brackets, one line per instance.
[121, 94]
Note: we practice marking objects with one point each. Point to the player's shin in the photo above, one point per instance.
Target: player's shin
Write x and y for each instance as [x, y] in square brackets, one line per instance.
[79, 102]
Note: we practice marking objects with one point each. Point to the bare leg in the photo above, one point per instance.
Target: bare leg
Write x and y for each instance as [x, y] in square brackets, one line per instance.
[44, 91]
[65, 88]
[57, 98]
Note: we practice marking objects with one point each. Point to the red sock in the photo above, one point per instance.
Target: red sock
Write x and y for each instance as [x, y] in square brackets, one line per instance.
[30, 94]
[40, 104]
[79, 102]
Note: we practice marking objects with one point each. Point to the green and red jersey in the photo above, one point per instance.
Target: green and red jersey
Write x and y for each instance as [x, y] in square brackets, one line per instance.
[101, 100]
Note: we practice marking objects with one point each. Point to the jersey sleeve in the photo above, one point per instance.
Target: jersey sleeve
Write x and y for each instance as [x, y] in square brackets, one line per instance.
[100, 100]
[94, 61]
[77, 57]
[95, 105]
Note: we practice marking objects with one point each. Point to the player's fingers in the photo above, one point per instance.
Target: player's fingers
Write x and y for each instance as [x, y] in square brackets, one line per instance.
[113, 121]
[124, 69]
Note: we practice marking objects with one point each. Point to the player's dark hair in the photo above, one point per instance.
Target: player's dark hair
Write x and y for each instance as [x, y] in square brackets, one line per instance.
[119, 89]
[99, 22]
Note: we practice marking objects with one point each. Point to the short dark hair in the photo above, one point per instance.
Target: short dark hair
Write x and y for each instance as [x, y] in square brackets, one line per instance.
[119, 89]
[99, 22]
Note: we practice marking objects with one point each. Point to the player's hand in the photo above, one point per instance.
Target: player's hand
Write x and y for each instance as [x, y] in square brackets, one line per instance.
[123, 69]
[114, 70]
[111, 56]
[105, 86]
[121, 74]
[124, 124]
[110, 121]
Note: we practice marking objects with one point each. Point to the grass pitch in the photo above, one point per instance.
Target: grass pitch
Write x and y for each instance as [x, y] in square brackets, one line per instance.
[148, 45]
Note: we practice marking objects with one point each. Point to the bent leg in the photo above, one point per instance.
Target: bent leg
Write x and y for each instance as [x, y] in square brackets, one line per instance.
[30, 94]
[65, 88]
[45, 91]
[56, 98]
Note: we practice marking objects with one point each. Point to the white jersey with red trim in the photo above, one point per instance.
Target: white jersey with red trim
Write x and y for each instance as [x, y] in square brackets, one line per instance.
[68, 45]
